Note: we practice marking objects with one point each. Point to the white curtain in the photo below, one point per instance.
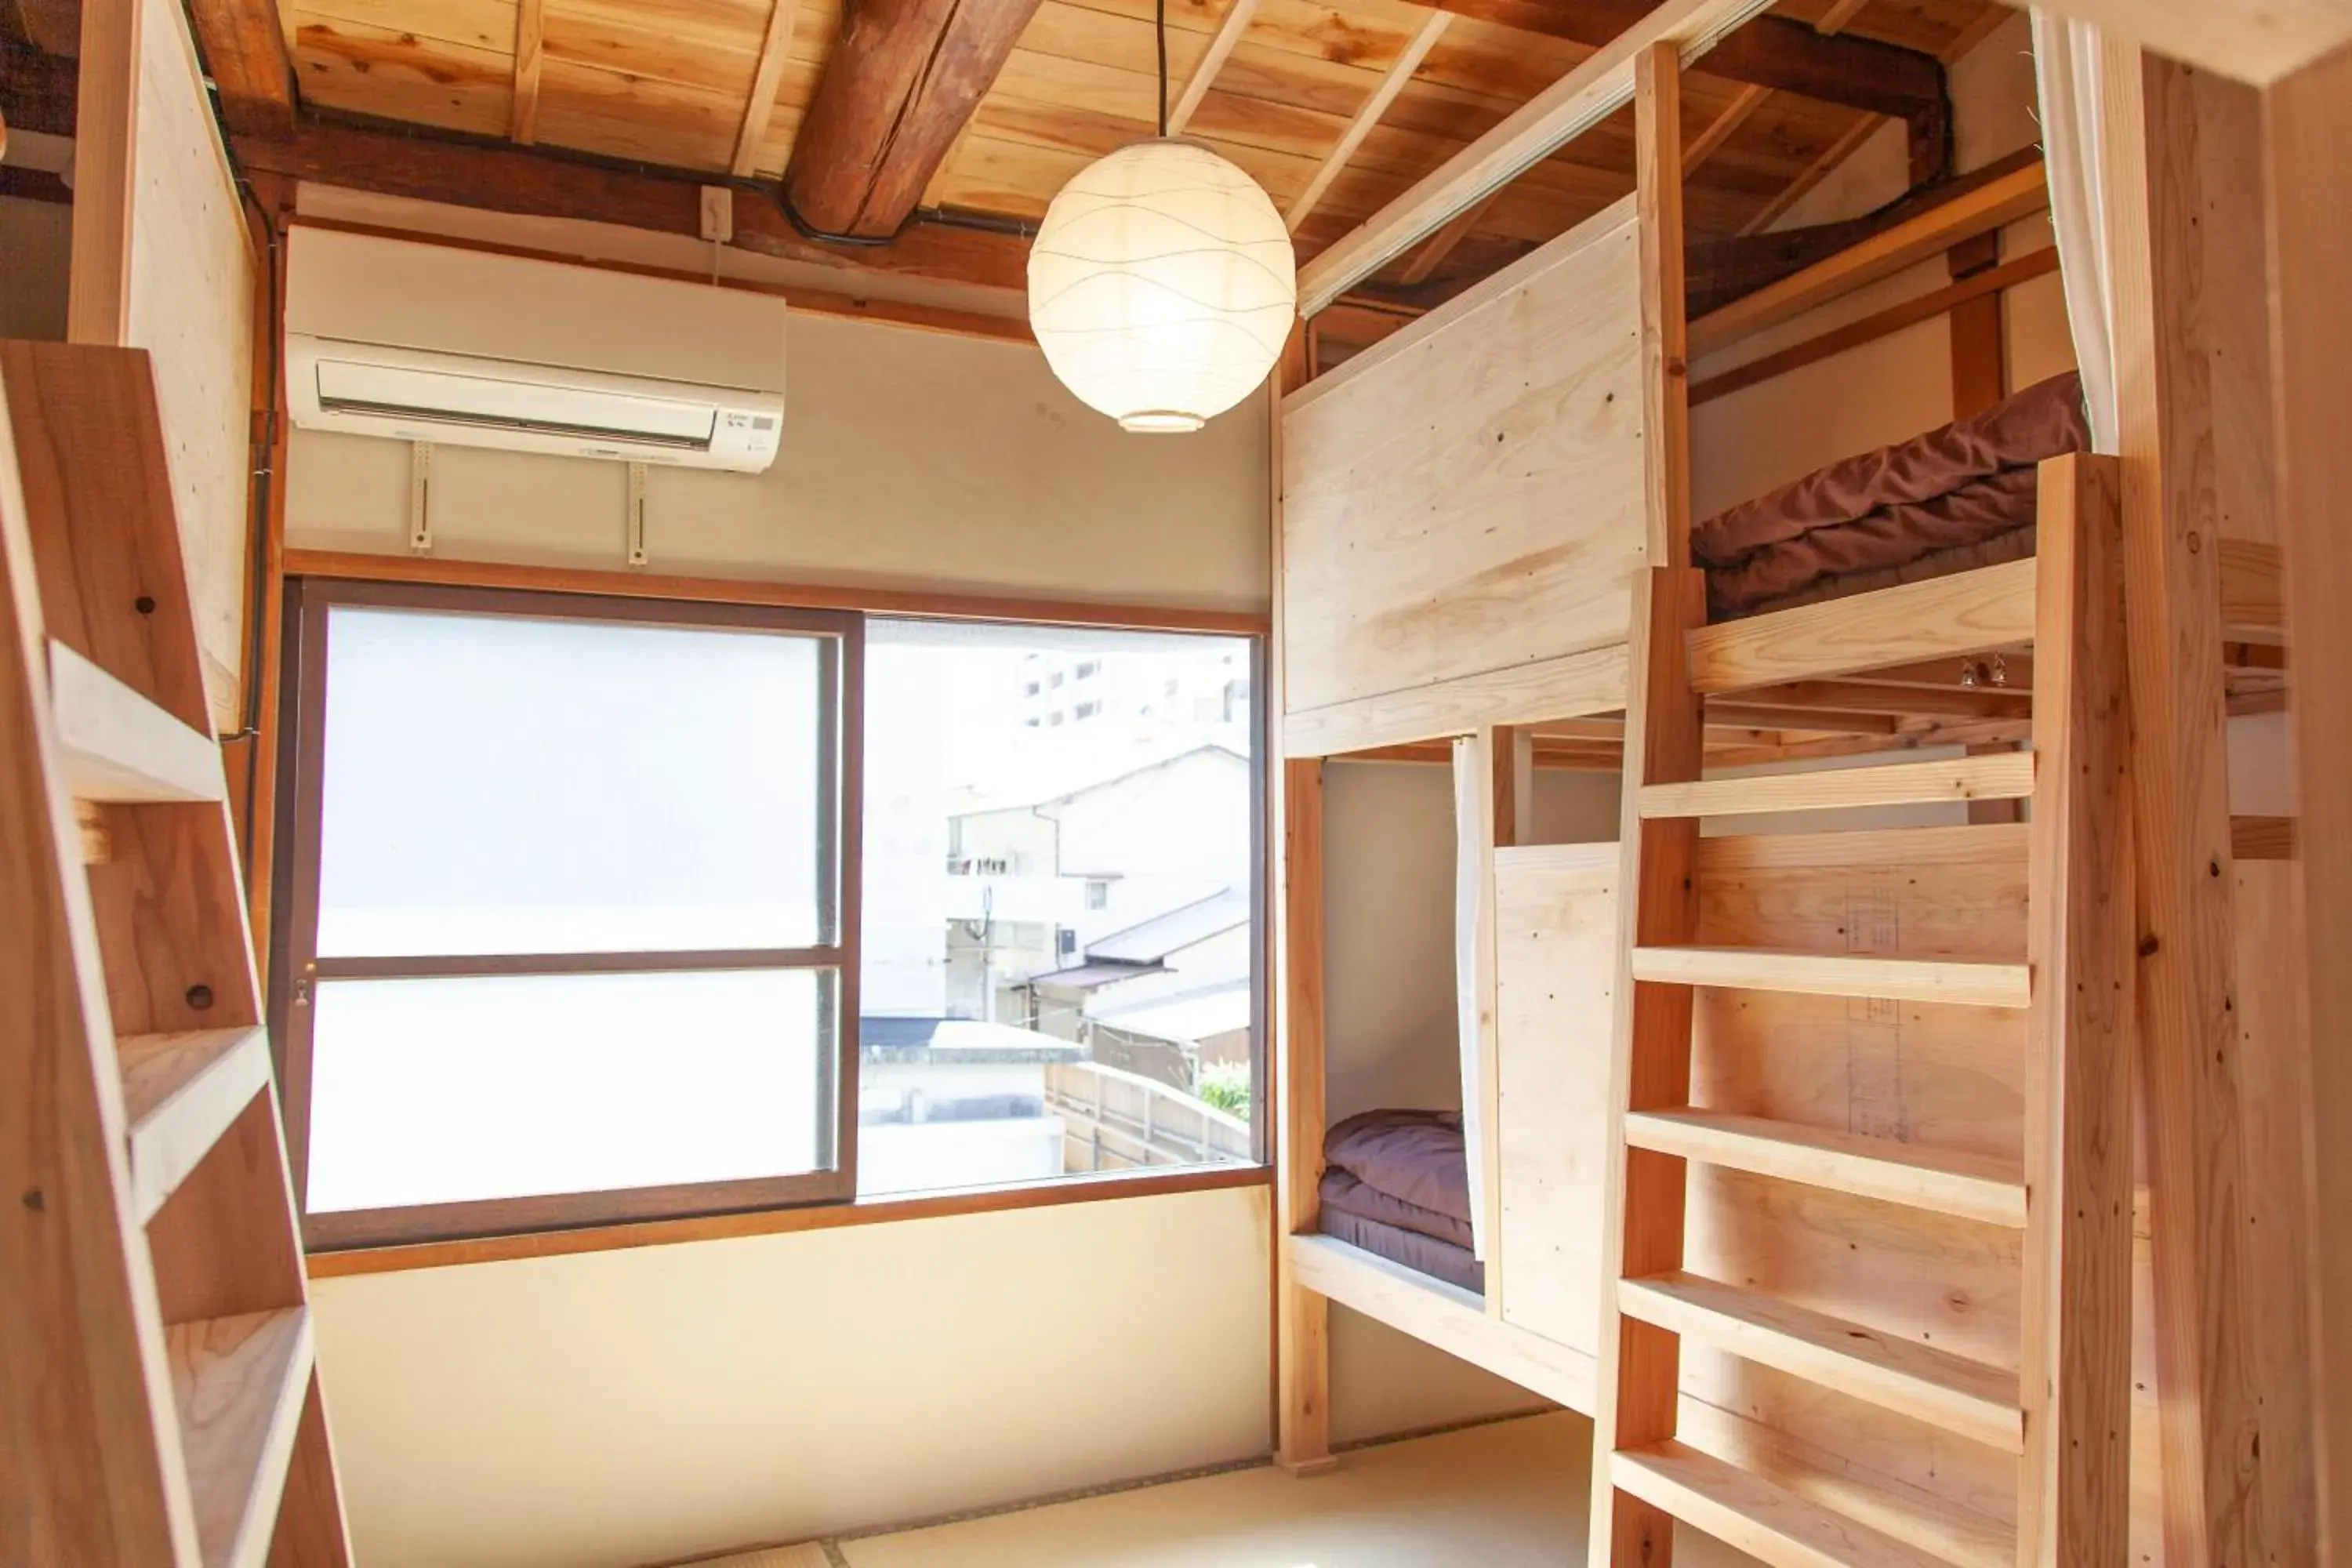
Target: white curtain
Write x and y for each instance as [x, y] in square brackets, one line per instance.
[1473, 799]
[2066, 66]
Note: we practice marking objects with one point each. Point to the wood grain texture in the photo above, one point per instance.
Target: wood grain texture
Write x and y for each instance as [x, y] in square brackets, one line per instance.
[1235, 23]
[93, 1474]
[2075, 1483]
[1643, 1210]
[118, 747]
[1475, 835]
[1571, 685]
[1665, 348]
[1422, 532]
[529, 69]
[1335, 160]
[1984, 1188]
[1429, 1309]
[2260, 47]
[1980, 210]
[2166, 141]
[181, 1093]
[311, 1532]
[902, 82]
[760, 104]
[1745, 1511]
[1960, 1396]
[2304, 127]
[1960, 982]
[1944, 617]
[239, 1382]
[245, 56]
[1589, 93]
[1303, 1359]
[1957, 779]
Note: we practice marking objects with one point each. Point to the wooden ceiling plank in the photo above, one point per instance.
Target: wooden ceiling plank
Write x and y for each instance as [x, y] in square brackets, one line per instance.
[1845, 147]
[775, 46]
[1835, 18]
[1204, 75]
[1594, 90]
[543, 184]
[245, 55]
[904, 79]
[1368, 117]
[1744, 104]
[530, 56]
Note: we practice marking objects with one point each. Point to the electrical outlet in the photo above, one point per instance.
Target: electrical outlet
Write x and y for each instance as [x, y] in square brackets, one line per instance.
[717, 214]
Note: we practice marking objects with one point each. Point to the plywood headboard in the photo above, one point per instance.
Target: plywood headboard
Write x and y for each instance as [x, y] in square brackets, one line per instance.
[1463, 507]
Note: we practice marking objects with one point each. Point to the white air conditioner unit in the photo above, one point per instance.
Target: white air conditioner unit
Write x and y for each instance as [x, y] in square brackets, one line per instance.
[428, 342]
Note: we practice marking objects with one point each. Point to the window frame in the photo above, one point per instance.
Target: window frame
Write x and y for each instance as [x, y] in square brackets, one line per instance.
[296, 965]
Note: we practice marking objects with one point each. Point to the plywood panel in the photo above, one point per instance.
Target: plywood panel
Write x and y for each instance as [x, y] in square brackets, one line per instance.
[1556, 961]
[191, 296]
[1467, 497]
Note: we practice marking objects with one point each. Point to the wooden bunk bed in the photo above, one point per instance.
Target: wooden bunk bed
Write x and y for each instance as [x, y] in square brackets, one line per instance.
[1802, 1161]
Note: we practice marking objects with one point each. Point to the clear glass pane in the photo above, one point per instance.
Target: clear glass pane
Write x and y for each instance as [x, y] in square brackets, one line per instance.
[427, 1091]
[502, 785]
[1059, 952]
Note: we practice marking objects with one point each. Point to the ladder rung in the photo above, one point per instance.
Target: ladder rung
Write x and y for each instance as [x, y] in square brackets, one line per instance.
[120, 747]
[2004, 776]
[181, 1092]
[1961, 981]
[239, 1382]
[1969, 1186]
[1966, 613]
[1962, 1396]
[1757, 1516]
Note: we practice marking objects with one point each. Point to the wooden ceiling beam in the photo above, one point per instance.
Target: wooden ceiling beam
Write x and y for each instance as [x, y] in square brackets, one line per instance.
[545, 182]
[243, 48]
[1770, 52]
[904, 78]
[758, 109]
[1369, 116]
[1204, 75]
[530, 54]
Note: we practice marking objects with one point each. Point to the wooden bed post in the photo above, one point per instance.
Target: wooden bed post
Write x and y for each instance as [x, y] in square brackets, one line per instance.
[1635, 1385]
[2308, 125]
[2183, 198]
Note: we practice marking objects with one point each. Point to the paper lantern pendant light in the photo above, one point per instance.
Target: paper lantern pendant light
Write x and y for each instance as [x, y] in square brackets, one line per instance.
[1162, 285]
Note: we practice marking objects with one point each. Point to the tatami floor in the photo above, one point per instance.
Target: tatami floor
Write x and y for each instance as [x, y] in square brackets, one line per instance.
[1497, 1496]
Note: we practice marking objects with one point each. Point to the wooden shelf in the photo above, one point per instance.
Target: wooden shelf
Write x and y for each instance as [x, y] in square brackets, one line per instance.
[1962, 982]
[1944, 617]
[121, 748]
[181, 1092]
[1759, 1517]
[1961, 1396]
[1968, 1186]
[239, 1382]
[2004, 776]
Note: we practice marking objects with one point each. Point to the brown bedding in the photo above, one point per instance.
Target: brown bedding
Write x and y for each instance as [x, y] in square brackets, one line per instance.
[1958, 497]
[1397, 1183]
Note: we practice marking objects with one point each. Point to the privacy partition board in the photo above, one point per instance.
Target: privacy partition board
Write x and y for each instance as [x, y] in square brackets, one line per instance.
[1463, 507]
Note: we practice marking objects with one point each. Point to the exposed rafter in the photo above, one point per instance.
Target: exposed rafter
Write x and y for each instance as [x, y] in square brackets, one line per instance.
[1722, 128]
[245, 55]
[1424, 261]
[530, 54]
[544, 183]
[775, 47]
[1864, 126]
[904, 78]
[1369, 116]
[1205, 74]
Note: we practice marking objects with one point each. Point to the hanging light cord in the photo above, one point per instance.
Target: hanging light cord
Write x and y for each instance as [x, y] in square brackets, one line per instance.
[1159, 33]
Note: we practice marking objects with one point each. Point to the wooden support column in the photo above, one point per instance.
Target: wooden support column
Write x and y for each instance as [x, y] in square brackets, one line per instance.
[1478, 805]
[2075, 1386]
[1636, 1380]
[2308, 125]
[1302, 1327]
[1979, 368]
[2183, 186]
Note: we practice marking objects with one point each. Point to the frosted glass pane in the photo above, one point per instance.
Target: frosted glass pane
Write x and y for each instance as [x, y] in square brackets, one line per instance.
[504, 786]
[429, 1092]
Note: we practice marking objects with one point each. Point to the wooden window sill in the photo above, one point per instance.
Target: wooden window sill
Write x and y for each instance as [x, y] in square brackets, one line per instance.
[883, 1210]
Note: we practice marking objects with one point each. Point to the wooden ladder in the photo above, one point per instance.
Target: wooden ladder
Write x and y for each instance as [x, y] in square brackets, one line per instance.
[156, 1343]
[2064, 1411]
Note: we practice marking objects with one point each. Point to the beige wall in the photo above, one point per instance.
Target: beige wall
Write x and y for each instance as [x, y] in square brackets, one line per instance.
[36, 238]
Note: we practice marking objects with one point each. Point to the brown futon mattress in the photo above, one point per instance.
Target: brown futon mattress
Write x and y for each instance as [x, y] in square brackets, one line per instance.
[1955, 498]
[1397, 1183]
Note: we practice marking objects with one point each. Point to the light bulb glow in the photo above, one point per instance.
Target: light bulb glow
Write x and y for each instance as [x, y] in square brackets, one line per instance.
[1162, 286]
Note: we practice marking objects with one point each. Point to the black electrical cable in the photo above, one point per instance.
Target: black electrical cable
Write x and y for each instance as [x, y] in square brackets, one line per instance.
[1159, 34]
